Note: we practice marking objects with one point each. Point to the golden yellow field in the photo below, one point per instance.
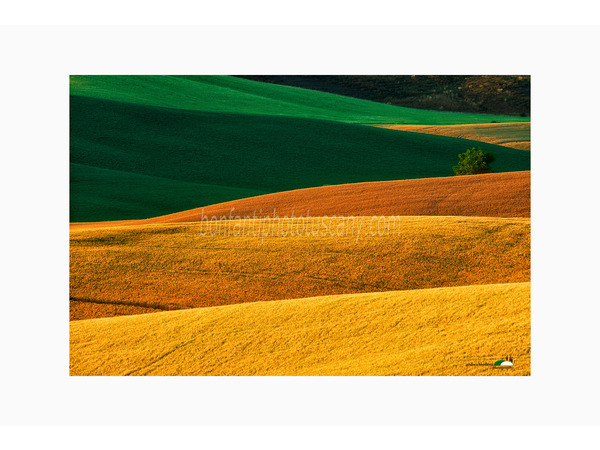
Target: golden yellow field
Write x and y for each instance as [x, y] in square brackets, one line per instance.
[443, 331]
[130, 270]
[514, 135]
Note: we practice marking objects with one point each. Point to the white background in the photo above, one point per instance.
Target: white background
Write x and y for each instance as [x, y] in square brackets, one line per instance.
[34, 383]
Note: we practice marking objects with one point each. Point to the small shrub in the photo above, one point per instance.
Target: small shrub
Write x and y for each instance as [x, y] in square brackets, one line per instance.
[474, 161]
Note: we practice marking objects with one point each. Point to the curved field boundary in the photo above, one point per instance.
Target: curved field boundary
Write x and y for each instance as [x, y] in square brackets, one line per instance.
[130, 161]
[513, 135]
[444, 331]
[488, 195]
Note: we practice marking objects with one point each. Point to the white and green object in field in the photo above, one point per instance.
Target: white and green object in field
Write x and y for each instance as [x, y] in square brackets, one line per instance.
[503, 363]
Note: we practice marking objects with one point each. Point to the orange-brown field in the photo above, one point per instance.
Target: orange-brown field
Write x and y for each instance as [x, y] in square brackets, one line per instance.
[487, 195]
[514, 135]
[90, 309]
[171, 266]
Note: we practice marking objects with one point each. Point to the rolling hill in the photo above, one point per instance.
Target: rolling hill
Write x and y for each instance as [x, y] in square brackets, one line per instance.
[129, 270]
[98, 192]
[488, 94]
[487, 195]
[514, 135]
[133, 161]
[236, 95]
[444, 331]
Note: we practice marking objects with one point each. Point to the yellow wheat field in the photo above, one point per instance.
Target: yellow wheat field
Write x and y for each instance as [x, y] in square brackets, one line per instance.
[441, 331]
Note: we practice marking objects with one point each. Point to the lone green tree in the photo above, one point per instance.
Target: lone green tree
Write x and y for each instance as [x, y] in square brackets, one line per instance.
[474, 161]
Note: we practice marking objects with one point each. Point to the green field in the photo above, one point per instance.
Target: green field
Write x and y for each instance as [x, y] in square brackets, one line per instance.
[132, 161]
[236, 95]
[107, 193]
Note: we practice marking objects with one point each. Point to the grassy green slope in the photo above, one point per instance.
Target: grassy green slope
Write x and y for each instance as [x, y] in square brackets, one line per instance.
[203, 158]
[107, 193]
[236, 95]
